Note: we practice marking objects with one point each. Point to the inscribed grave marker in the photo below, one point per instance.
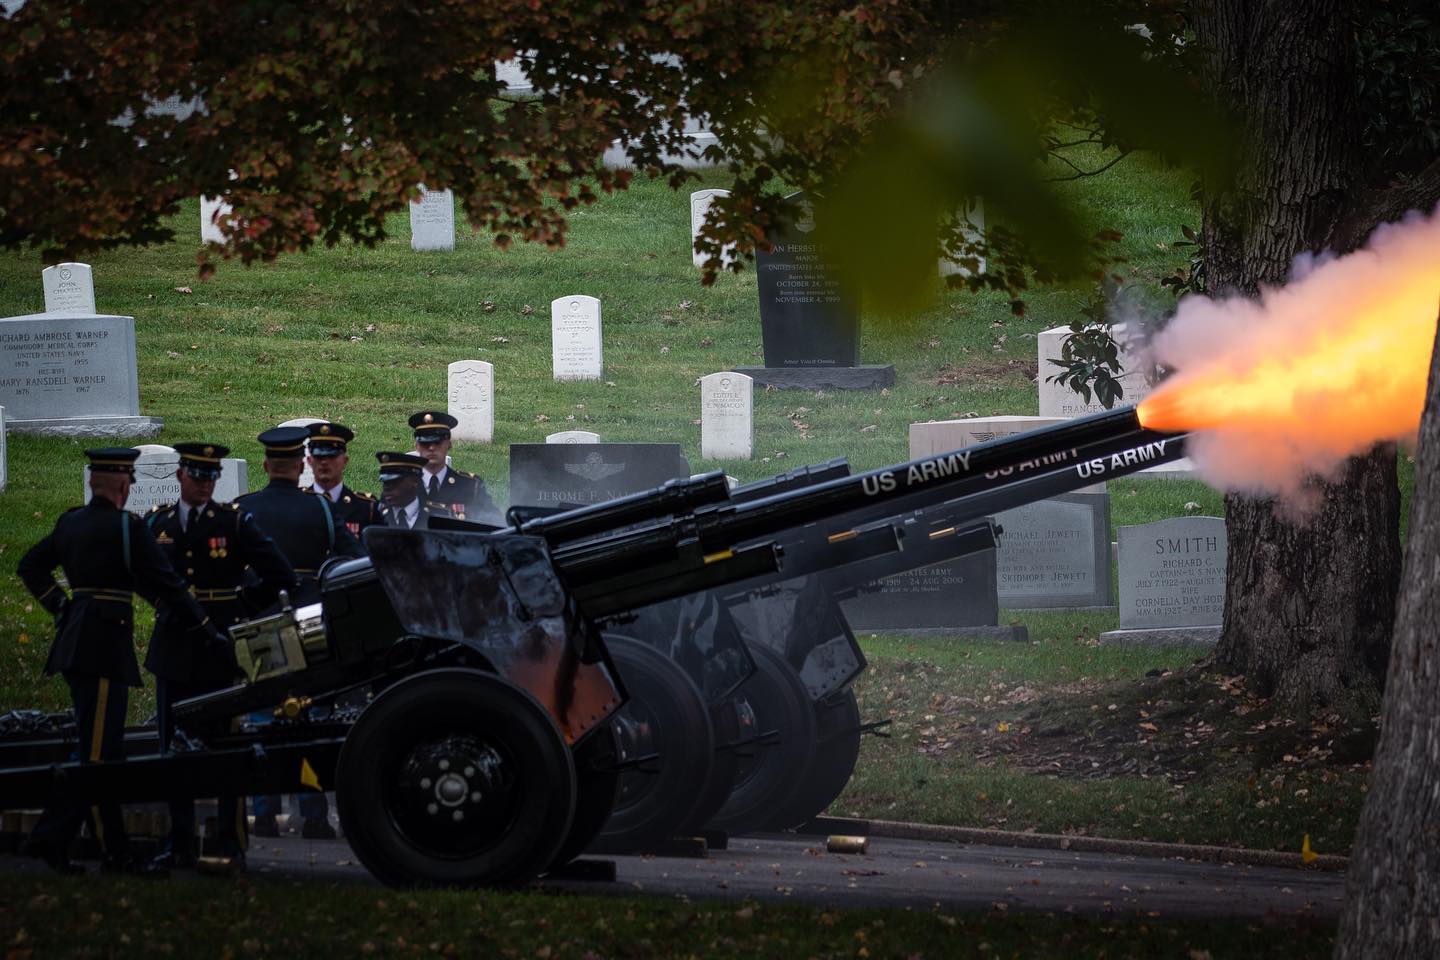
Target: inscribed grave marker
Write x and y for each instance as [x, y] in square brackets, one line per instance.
[700, 202]
[472, 399]
[69, 288]
[1172, 581]
[210, 209]
[156, 484]
[576, 340]
[71, 375]
[432, 220]
[726, 422]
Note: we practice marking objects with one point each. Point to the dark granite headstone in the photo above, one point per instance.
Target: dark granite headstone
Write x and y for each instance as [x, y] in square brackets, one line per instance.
[808, 320]
[554, 474]
[956, 597]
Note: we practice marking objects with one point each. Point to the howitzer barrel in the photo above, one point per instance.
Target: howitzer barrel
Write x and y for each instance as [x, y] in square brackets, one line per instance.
[1077, 453]
[799, 478]
[674, 497]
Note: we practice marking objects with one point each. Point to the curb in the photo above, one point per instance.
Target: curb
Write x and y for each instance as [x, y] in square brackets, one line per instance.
[896, 830]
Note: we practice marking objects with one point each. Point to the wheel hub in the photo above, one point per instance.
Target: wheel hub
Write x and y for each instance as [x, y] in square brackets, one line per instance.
[453, 793]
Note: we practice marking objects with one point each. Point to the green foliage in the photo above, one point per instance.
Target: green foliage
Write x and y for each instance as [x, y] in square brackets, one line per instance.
[1398, 46]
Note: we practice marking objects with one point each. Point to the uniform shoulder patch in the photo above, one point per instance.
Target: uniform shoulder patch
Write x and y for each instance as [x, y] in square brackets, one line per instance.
[362, 495]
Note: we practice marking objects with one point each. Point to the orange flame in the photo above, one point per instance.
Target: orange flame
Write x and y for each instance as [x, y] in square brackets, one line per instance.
[1320, 369]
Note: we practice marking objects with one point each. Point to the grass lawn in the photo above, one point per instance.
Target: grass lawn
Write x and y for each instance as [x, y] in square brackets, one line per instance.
[363, 336]
[41, 916]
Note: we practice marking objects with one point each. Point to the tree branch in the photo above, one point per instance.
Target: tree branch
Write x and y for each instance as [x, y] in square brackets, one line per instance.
[1420, 191]
[1079, 173]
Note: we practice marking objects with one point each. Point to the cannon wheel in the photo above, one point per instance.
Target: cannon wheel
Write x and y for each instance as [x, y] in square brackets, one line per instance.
[665, 716]
[598, 790]
[770, 775]
[837, 748]
[455, 777]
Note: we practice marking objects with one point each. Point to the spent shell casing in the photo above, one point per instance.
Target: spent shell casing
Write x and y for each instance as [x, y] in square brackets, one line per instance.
[838, 843]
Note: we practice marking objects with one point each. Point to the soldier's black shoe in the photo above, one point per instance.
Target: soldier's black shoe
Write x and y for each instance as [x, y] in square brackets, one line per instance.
[317, 830]
[266, 826]
[132, 866]
[57, 860]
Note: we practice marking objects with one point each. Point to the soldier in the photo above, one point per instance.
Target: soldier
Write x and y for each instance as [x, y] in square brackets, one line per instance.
[328, 459]
[463, 494]
[400, 478]
[213, 545]
[107, 555]
[304, 527]
[308, 533]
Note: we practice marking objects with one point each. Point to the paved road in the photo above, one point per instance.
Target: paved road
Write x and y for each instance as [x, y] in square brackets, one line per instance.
[903, 874]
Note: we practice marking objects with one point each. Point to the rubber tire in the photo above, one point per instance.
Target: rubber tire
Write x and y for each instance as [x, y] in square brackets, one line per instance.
[683, 740]
[597, 791]
[837, 748]
[767, 782]
[498, 712]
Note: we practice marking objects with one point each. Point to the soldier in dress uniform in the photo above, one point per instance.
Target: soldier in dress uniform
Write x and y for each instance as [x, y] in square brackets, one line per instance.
[403, 505]
[304, 527]
[234, 570]
[463, 494]
[308, 532]
[107, 555]
[328, 458]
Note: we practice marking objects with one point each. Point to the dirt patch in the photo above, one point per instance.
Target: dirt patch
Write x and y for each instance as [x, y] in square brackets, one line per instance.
[1177, 725]
[986, 370]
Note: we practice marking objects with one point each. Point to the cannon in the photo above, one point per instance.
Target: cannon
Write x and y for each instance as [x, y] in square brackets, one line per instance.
[487, 752]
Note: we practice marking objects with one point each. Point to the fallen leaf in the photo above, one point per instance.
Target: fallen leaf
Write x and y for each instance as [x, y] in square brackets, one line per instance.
[183, 290]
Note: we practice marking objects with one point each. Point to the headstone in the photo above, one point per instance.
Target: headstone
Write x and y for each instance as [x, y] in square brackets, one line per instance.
[515, 73]
[156, 484]
[432, 220]
[1055, 553]
[973, 230]
[809, 323]
[307, 476]
[1058, 400]
[955, 598]
[472, 400]
[69, 288]
[575, 338]
[72, 375]
[726, 422]
[3, 461]
[1172, 582]
[555, 474]
[700, 202]
[573, 436]
[210, 209]
[942, 436]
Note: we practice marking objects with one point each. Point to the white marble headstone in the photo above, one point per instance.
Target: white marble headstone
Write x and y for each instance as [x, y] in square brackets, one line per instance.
[700, 202]
[575, 338]
[307, 476]
[1058, 400]
[472, 399]
[210, 209]
[573, 436]
[973, 230]
[69, 288]
[726, 424]
[4, 462]
[432, 220]
[156, 484]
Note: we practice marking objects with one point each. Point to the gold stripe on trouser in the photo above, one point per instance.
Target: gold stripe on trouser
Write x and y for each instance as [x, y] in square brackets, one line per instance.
[97, 732]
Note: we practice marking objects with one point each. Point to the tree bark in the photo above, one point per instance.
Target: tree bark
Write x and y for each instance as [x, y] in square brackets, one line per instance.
[1392, 893]
[1310, 600]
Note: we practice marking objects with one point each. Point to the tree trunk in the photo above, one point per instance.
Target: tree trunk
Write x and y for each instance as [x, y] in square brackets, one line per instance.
[1309, 602]
[1392, 893]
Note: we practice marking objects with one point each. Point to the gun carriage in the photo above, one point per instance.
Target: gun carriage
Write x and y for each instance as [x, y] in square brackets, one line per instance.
[492, 746]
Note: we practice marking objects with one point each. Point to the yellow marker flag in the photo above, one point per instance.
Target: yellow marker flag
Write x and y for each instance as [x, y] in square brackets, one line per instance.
[308, 778]
[1306, 854]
